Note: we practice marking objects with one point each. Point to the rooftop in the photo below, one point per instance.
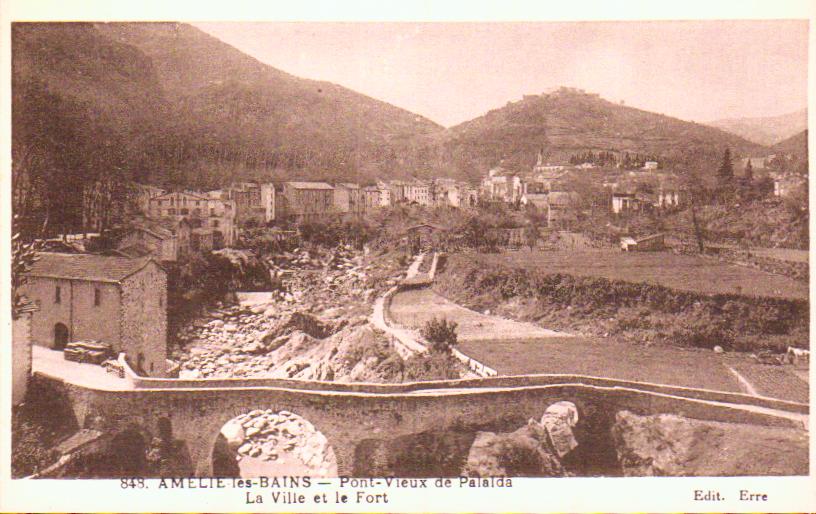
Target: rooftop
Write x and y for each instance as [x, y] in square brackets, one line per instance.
[309, 185]
[93, 268]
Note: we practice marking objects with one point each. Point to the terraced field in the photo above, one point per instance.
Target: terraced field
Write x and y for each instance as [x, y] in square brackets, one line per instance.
[681, 272]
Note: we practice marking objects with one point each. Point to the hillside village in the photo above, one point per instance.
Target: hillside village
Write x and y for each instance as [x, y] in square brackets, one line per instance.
[684, 266]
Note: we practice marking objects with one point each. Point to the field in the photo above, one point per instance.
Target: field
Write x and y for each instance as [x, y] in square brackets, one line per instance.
[782, 254]
[625, 361]
[680, 272]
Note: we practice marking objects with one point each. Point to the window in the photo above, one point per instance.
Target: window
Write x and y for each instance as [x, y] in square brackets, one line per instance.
[58, 295]
[212, 211]
[171, 211]
[161, 301]
[185, 211]
[215, 223]
[97, 297]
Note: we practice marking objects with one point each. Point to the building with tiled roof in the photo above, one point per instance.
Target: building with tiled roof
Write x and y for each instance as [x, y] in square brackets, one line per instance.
[302, 201]
[168, 239]
[114, 300]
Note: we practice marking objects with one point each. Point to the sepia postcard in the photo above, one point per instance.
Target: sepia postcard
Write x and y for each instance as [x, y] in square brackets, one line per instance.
[347, 257]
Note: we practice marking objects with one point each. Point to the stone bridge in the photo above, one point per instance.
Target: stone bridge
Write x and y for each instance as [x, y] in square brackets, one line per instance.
[362, 421]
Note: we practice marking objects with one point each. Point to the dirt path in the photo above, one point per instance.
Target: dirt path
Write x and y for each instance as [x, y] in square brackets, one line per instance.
[746, 386]
[414, 307]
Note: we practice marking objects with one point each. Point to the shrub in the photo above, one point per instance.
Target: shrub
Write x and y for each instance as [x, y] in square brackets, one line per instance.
[430, 366]
[441, 333]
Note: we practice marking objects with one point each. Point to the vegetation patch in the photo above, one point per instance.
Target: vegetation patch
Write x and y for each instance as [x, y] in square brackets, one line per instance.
[563, 294]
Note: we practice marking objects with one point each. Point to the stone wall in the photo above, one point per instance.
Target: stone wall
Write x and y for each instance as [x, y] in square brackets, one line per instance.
[76, 310]
[144, 319]
[20, 357]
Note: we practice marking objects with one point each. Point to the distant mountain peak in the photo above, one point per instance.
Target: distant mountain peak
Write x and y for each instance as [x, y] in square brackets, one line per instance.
[766, 130]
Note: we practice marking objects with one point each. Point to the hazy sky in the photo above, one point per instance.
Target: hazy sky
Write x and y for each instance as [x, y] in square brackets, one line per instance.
[452, 72]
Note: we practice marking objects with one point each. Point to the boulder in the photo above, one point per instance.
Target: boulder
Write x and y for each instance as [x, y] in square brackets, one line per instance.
[558, 420]
[670, 445]
[525, 452]
[233, 432]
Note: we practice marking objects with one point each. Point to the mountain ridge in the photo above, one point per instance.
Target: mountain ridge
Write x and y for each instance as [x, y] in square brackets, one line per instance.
[765, 130]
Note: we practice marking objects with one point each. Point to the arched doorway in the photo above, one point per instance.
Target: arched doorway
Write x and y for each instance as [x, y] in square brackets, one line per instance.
[272, 443]
[60, 336]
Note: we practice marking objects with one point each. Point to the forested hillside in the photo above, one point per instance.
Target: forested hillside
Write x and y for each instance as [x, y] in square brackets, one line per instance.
[168, 104]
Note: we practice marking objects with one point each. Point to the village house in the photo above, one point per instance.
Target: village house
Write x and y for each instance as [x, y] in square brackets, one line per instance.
[348, 198]
[668, 198]
[304, 201]
[253, 202]
[167, 240]
[418, 192]
[142, 194]
[537, 200]
[625, 202]
[386, 199]
[113, 300]
[650, 165]
[398, 190]
[371, 198]
[221, 220]
[502, 186]
[178, 205]
[213, 210]
[446, 192]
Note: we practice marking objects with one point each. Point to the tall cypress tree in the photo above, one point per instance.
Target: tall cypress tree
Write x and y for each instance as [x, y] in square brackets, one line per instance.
[749, 172]
[725, 173]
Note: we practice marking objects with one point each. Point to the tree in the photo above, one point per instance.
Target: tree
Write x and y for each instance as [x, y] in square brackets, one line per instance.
[531, 235]
[749, 173]
[725, 174]
[441, 334]
[23, 256]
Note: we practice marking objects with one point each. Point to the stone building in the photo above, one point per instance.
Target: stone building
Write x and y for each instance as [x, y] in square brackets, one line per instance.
[213, 210]
[21, 351]
[167, 240]
[114, 300]
[348, 198]
[371, 198]
[304, 201]
[502, 186]
[253, 202]
[178, 204]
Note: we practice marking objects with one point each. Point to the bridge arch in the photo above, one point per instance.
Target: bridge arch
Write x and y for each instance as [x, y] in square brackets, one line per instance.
[271, 442]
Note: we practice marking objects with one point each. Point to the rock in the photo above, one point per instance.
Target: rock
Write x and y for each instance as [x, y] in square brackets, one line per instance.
[524, 452]
[245, 449]
[189, 374]
[669, 445]
[230, 327]
[255, 451]
[558, 420]
[253, 348]
[233, 432]
[252, 431]
[718, 349]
